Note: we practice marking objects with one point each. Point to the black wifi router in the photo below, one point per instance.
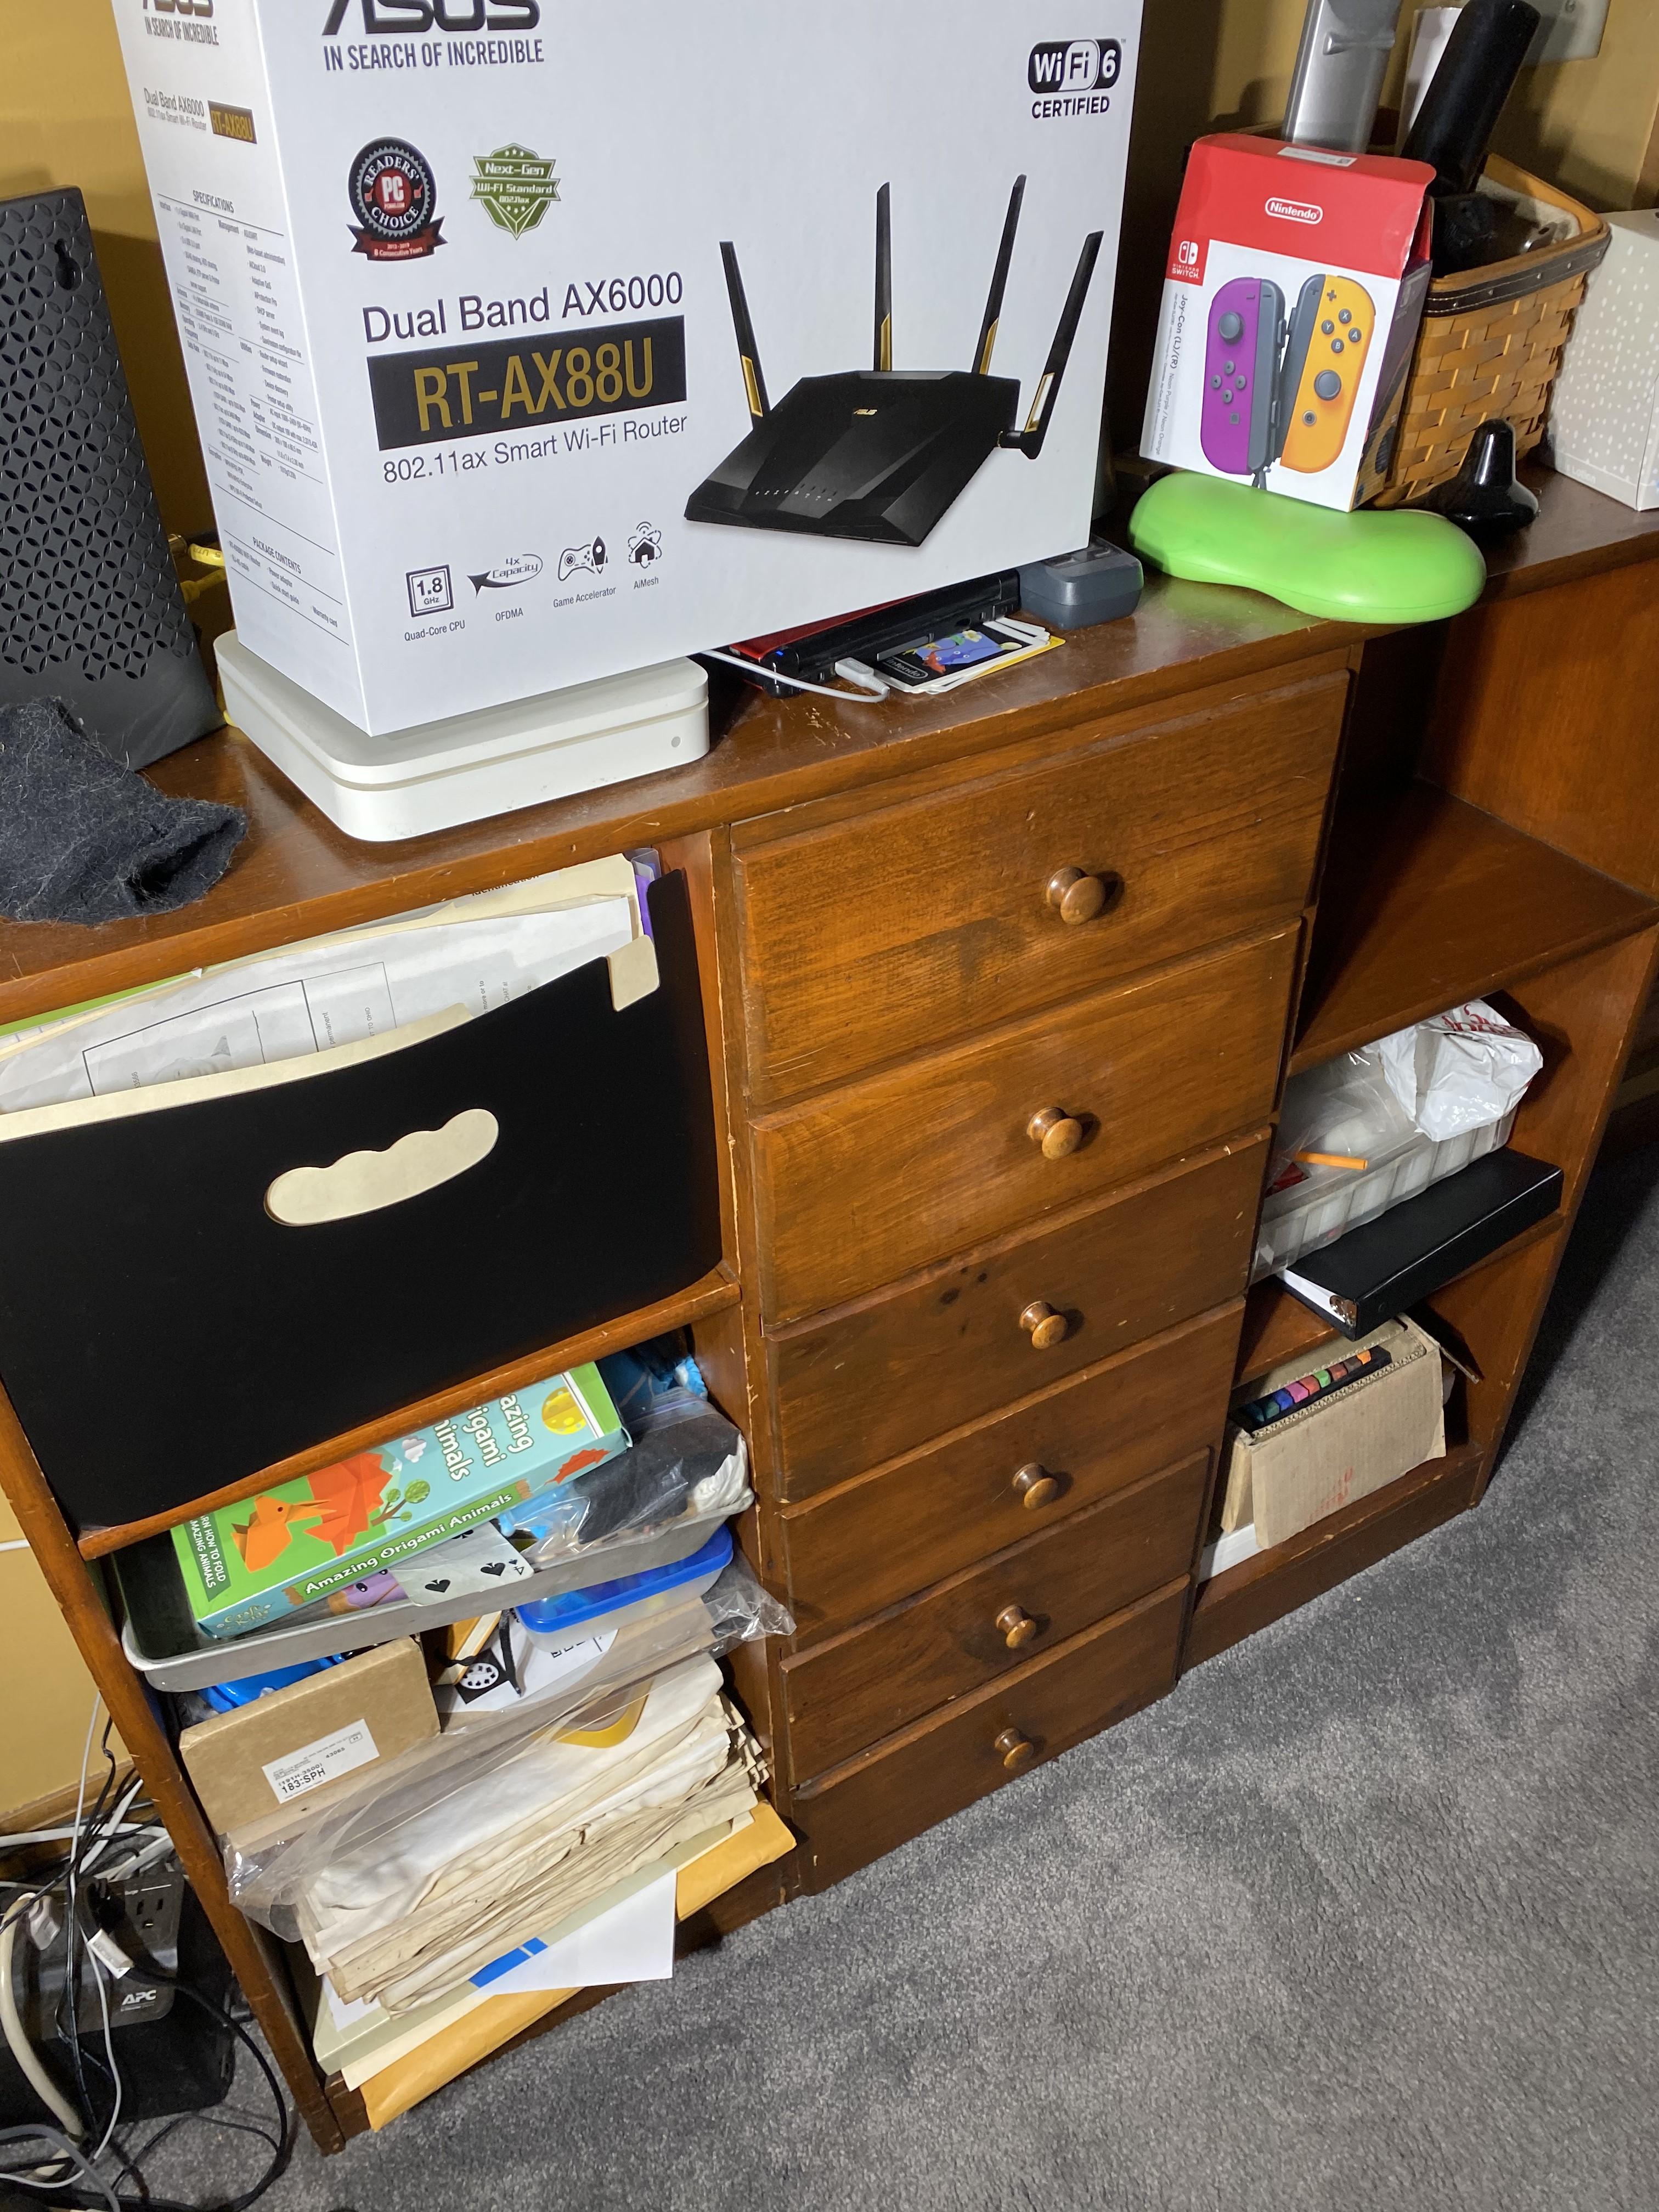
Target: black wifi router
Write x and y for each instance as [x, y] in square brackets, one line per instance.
[880, 453]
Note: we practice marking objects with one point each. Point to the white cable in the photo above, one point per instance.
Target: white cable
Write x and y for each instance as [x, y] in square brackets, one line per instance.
[109, 2046]
[866, 693]
[22, 2050]
[62, 1836]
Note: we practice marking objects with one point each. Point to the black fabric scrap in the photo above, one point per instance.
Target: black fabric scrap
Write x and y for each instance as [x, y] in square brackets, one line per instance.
[83, 839]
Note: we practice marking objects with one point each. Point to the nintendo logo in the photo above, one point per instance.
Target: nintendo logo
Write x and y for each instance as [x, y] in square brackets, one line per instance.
[1295, 211]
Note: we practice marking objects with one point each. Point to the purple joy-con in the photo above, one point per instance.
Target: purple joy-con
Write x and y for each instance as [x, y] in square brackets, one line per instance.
[1241, 377]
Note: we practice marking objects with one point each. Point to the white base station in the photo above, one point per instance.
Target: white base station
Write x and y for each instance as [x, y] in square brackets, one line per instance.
[461, 769]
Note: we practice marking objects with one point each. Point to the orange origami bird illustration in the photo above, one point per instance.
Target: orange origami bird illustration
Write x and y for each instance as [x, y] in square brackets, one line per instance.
[343, 1504]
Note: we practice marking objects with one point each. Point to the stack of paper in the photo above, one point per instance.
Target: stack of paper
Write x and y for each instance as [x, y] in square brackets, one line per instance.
[471, 953]
[417, 1906]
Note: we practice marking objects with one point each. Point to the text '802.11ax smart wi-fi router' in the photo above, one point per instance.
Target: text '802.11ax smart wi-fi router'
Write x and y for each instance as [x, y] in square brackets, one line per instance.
[879, 454]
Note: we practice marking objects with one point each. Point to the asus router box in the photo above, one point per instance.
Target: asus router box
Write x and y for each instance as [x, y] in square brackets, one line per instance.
[532, 343]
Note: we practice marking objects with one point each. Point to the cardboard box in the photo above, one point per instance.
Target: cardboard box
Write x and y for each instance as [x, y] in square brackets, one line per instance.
[295, 1546]
[1344, 1447]
[1604, 414]
[1292, 301]
[311, 1741]
[457, 284]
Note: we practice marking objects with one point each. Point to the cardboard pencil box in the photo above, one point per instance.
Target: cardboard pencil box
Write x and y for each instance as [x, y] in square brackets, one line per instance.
[1336, 1449]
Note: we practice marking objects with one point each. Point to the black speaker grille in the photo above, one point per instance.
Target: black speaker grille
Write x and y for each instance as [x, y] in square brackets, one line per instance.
[88, 580]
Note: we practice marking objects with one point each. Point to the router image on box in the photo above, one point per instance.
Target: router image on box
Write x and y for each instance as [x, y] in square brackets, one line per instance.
[880, 453]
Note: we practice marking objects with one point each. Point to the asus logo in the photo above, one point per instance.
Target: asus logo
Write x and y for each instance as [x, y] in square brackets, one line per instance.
[1296, 211]
[1074, 65]
[411, 17]
[180, 7]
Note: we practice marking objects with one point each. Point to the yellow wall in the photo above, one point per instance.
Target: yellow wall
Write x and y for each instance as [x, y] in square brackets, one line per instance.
[43, 1725]
[65, 118]
[1204, 63]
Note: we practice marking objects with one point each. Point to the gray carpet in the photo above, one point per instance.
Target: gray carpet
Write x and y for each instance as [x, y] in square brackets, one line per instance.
[1362, 1915]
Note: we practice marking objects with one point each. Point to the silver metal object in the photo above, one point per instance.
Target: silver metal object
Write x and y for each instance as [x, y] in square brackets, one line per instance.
[1339, 68]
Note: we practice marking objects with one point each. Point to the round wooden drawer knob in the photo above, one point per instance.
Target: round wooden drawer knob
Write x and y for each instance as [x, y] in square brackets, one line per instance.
[1015, 1753]
[1045, 1328]
[1034, 1487]
[1055, 1132]
[1077, 897]
[1017, 1628]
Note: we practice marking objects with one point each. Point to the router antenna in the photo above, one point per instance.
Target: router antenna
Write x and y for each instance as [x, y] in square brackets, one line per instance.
[987, 329]
[883, 279]
[753, 383]
[1029, 440]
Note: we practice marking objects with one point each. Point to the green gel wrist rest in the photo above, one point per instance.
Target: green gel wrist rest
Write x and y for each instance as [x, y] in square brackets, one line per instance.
[1393, 567]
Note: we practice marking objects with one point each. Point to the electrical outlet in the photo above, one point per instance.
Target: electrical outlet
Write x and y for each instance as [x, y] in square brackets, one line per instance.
[150, 1904]
[1571, 31]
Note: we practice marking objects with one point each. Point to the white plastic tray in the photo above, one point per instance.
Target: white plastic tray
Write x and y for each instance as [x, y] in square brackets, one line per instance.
[199, 1664]
[1333, 1200]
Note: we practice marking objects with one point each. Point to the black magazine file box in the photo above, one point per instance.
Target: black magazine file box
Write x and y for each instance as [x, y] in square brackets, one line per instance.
[162, 1336]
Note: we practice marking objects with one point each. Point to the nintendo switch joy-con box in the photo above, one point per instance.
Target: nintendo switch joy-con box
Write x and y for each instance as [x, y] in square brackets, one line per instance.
[1292, 302]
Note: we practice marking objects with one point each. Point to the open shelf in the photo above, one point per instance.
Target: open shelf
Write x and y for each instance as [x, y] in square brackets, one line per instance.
[1428, 901]
[715, 1292]
[1263, 1587]
[1277, 1326]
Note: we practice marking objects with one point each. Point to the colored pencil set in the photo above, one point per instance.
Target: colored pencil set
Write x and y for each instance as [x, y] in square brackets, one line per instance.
[1261, 1413]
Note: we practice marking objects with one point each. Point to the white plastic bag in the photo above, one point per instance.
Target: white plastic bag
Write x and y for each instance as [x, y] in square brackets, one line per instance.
[1462, 1069]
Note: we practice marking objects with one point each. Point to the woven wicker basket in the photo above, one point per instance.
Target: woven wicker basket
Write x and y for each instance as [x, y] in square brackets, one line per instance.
[1490, 346]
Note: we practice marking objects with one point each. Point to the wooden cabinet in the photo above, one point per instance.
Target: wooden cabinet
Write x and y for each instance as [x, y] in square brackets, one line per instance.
[867, 1183]
[932, 1769]
[882, 1377]
[953, 911]
[856, 1548]
[998, 991]
[848, 1693]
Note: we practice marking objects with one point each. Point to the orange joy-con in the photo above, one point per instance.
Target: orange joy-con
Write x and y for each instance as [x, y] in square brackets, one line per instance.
[1337, 330]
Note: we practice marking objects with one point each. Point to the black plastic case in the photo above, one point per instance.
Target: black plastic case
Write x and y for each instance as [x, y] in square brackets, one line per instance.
[90, 609]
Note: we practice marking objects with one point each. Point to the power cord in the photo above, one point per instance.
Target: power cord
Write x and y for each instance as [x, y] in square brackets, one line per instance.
[89, 1839]
[870, 686]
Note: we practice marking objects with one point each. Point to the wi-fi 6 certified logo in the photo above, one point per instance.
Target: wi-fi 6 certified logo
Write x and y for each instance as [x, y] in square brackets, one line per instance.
[1074, 65]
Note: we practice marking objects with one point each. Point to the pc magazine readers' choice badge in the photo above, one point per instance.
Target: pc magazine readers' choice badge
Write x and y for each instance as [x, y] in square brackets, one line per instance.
[393, 194]
[514, 186]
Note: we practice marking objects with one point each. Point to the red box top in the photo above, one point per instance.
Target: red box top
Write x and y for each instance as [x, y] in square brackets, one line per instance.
[1360, 211]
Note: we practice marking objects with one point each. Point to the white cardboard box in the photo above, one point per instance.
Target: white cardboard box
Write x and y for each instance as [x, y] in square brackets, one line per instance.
[450, 282]
[1604, 415]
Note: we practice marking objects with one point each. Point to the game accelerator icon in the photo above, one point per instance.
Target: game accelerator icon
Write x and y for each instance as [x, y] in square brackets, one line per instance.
[394, 194]
[591, 560]
[514, 187]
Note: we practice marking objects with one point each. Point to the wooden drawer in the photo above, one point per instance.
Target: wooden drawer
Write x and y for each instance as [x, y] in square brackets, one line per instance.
[923, 921]
[895, 1172]
[858, 1389]
[936, 1767]
[865, 1685]
[886, 1535]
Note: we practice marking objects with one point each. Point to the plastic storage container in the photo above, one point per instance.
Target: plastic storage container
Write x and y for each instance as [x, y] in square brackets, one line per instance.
[163, 1643]
[553, 1619]
[1329, 1201]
